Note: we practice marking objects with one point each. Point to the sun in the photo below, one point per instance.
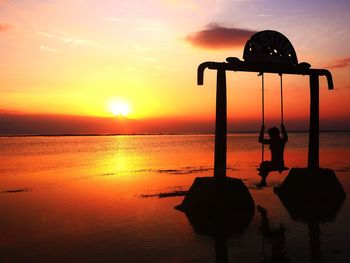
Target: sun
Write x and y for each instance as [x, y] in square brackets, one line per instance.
[120, 108]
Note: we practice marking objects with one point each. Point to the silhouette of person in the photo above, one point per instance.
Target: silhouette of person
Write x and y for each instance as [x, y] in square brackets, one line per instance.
[277, 151]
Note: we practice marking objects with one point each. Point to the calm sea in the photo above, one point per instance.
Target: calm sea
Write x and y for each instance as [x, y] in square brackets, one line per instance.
[95, 199]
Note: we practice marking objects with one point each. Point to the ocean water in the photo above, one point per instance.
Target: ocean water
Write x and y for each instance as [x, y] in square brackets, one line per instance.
[96, 199]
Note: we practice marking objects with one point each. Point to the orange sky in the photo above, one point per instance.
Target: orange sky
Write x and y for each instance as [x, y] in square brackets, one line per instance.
[79, 57]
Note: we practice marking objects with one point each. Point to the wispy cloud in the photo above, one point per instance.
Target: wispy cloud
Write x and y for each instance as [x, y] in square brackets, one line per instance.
[49, 49]
[265, 15]
[7, 26]
[219, 37]
[45, 34]
[69, 40]
[340, 63]
[5, 111]
[74, 42]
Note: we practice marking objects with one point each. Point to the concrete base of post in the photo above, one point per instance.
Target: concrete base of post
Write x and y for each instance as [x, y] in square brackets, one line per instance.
[211, 197]
[311, 193]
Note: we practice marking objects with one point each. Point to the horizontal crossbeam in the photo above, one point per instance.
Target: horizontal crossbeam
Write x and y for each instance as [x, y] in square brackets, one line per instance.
[235, 64]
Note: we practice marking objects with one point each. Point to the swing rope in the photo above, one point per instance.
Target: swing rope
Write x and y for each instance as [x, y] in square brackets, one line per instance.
[262, 98]
[263, 106]
[282, 123]
[281, 100]
[262, 111]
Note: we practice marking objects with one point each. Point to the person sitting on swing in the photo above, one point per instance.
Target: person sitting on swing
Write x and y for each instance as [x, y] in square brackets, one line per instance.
[277, 150]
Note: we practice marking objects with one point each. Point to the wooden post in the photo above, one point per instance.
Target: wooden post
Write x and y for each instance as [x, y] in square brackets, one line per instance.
[313, 156]
[220, 126]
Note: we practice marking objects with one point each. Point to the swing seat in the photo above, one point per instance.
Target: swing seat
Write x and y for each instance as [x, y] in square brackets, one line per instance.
[274, 169]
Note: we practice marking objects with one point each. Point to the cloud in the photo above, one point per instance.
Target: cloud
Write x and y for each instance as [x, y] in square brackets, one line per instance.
[340, 63]
[49, 49]
[73, 41]
[69, 40]
[7, 26]
[265, 15]
[4, 111]
[45, 34]
[219, 37]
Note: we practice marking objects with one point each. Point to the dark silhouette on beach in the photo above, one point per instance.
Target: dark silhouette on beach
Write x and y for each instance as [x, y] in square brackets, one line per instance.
[277, 144]
[212, 201]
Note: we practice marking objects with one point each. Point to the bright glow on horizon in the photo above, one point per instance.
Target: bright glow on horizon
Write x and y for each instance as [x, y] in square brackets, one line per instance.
[120, 108]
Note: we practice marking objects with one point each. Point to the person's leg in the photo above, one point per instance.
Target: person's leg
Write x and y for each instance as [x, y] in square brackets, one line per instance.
[263, 180]
[264, 166]
[264, 172]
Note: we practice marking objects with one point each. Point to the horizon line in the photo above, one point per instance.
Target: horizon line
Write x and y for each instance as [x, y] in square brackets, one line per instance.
[151, 134]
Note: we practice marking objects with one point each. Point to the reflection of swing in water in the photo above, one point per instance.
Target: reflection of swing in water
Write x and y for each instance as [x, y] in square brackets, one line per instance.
[276, 143]
[274, 237]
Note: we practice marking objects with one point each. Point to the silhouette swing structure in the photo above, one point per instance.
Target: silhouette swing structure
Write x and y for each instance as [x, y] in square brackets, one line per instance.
[265, 52]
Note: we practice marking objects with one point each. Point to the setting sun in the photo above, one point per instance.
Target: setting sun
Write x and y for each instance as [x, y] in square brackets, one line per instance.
[120, 108]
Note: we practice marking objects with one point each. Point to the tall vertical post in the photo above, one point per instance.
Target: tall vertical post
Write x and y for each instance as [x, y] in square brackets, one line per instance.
[313, 157]
[220, 126]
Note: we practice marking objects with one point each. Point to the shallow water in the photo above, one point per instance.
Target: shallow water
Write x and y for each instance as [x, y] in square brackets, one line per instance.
[80, 199]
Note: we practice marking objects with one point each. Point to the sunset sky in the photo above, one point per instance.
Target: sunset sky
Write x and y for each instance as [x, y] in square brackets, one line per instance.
[64, 58]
